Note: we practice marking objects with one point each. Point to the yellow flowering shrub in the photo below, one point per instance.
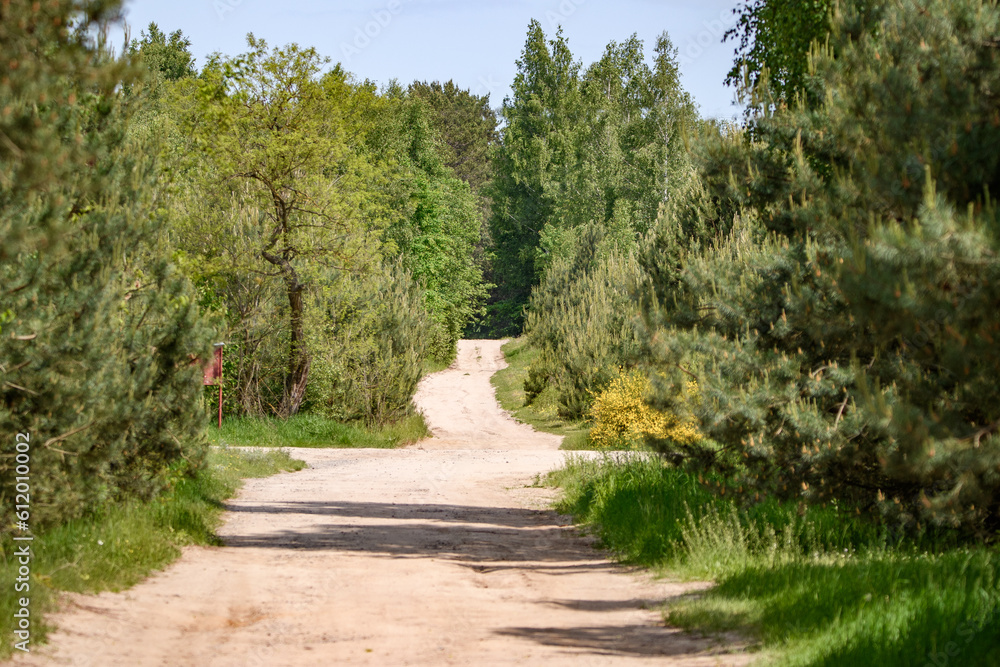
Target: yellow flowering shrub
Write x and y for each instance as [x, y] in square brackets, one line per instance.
[621, 415]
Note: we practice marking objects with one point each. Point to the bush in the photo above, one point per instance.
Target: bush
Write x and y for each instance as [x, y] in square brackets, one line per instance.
[622, 416]
[580, 319]
[369, 347]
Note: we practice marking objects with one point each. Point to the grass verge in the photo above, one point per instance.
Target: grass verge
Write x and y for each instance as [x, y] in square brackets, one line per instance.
[816, 588]
[542, 414]
[123, 544]
[306, 430]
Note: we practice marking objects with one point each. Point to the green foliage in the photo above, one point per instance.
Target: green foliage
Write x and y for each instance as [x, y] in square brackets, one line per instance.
[166, 57]
[600, 146]
[439, 230]
[313, 430]
[45, 65]
[370, 340]
[467, 126]
[281, 193]
[813, 588]
[842, 331]
[288, 226]
[580, 320]
[446, 229]
[101, 329]
[775, 39]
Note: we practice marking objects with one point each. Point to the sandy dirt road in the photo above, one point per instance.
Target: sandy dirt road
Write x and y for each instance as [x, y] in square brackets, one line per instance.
[440, 554]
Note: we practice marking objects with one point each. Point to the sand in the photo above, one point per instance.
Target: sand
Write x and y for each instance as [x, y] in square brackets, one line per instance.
[443, 553]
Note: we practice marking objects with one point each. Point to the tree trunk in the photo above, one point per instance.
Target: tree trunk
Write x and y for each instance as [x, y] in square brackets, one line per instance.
[298, 354]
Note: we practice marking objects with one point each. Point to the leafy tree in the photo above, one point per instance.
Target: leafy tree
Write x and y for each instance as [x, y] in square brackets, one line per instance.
[775, 38]
[446, 226]
[540, 122]
[277, 149]
[466, 124]
[638, 117]
[383, 174]
[468, 129]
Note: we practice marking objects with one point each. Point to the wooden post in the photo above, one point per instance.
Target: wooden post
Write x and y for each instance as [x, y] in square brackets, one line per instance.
[218, 361]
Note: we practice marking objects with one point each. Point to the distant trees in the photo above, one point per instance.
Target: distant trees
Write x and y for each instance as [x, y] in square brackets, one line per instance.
[588, 158]
[439, 228]
[467, 126]
[579, 147]
[164, 56]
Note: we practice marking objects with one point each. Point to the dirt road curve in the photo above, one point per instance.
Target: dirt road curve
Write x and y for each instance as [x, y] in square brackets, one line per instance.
[440, 554]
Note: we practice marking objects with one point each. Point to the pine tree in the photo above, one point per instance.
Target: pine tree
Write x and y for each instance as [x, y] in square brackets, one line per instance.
[581, 320]
[101, 335]
[840, 331]
[467, 126]
[371, 335]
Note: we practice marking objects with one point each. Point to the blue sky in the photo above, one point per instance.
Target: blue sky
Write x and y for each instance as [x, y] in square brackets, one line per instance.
[474, 43]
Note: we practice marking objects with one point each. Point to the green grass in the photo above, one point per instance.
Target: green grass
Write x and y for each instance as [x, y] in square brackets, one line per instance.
[542, 413]
[434, 366]
[306, 430]
[125, 543]
[816, 588]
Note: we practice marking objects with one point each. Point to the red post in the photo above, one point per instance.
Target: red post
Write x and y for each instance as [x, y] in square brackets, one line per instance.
[213, 375]
[218, 361]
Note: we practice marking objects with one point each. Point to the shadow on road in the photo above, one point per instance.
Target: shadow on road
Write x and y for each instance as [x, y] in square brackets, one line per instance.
[484, 540]
[465, 533]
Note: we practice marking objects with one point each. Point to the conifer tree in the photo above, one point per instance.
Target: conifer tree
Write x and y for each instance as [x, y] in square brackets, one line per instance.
[840, 331]
[101, 335]
[372, 334]
[467, 127]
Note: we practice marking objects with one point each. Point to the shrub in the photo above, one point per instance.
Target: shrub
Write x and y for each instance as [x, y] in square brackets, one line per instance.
[370, 339]
[622, 416]
[581, 321]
